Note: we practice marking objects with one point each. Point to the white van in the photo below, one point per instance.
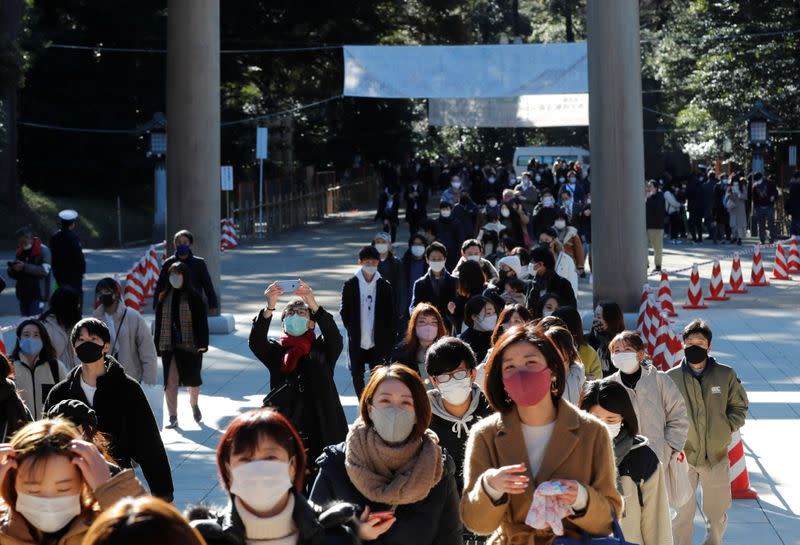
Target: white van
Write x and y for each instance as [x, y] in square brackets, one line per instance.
[548, 155]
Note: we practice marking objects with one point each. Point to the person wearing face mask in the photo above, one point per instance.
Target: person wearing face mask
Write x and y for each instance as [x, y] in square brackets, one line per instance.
[545, 212]
[392, 463]
[535, 437]
[424, 328]
[607, 323]
[56, 484]
[368, 312]
[571, 185]
[181, 339]
[564, 263]
[472, 250]
[413, 267]
[547, 280]
[570, 241]
[511, 315]
[655, 211]
[527, 190]
[470, 282]
[388, 209]
[63, 312]
[36, 368]
[416, 197]
[13, 412]
[123, 414]
[658, 403]
[646, 518]
[593, 369]
[301, 365]
[31, 270]
[200, 279]
[437, 287]
[492, 204]
[452, 195]
[391, 270]
[480, 316]
[131, 342]
[717, 404]
[546, 305]
[573, 368]
[583, 222]
[261, 463]
[457, 403]
[69, 264]
[450, 233]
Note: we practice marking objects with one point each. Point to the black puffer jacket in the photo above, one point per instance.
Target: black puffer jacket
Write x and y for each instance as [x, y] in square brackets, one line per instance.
[432, 521]
[13, 412]
[334, 526]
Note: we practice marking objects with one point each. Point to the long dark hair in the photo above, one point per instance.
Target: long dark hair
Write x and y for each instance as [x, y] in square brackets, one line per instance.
[613, 397]
[48, 353]
[612, 314]
[471, 279]
[181, 268]
[65, 305]
[570, 316]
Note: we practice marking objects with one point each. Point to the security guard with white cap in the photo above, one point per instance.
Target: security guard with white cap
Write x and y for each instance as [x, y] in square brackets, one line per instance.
[69, 265]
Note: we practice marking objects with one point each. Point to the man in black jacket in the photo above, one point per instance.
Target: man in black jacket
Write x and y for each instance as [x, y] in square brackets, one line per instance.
[391, 269]
[546, 280]
[201, 280]
[123, 413]
[655, 208]
[369, 315]
[437, 286]
[69, 265]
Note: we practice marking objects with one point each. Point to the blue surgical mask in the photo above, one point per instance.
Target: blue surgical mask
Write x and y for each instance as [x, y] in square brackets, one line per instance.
[182, 249]
[31, 346]
[295, 325]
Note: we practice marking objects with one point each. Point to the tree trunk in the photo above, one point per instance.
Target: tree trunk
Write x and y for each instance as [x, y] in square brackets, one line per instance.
[10, 20]
[568, 22]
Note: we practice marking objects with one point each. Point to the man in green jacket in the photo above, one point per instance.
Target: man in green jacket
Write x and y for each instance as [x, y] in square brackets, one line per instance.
[717, 406]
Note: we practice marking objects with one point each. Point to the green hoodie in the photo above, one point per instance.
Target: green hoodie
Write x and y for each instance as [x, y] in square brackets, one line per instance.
[717, 406]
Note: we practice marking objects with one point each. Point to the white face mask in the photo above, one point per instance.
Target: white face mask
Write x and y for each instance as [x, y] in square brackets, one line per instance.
[394, 425]
[486, 323]
[455, 391]
[505, 212]
[613, 429]
[417, 250]
[382, 248]
[446, 212]
[548, 201]
[538, 178]
[260, 484]
[176, 281]
[48, 514]
[547, 313]
[491, 179]
[492, 203]
[455, 184]
[369, 270]
[475, 258]
[626, 362]
[436, 266]
[560, 224]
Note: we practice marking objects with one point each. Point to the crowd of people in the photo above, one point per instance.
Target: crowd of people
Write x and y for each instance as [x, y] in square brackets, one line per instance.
[486, 411]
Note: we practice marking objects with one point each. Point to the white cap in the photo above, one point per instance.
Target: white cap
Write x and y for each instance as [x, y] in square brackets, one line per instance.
[68, 215]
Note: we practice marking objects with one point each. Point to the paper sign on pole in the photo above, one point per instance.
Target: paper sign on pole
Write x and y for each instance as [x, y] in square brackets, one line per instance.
[261, 143]
[227, 178]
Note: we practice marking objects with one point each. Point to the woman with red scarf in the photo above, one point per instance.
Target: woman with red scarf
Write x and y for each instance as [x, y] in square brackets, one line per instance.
[301, 366]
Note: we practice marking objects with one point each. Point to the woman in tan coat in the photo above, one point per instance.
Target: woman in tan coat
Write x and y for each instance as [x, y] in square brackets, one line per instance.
[535, 437]
[54, 485]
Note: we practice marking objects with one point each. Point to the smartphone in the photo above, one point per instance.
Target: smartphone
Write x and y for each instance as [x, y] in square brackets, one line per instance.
[288, 286]
[383, 516]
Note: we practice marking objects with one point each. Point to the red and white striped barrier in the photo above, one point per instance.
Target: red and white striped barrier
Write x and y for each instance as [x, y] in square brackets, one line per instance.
[740, 480]
[230, 235]
[779, 270]
[665, 296]
[695, 292]
[643, 321]
[717, 288]
[661, 356]
[140, 282]
[736, 281]
[794, 257]
[757, 278]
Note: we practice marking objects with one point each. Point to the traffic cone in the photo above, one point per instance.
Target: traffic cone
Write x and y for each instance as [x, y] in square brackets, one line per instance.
[757, 278]
[675, 348]
[655, 321]
[643, 321]
[665, 296]
[794, 257]
[695, 293]
[661, 356]
[736, 281]
[740, 480]
[779, 269]
[717, 288]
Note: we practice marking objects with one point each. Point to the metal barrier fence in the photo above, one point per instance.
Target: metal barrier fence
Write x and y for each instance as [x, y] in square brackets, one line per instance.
[300, 207]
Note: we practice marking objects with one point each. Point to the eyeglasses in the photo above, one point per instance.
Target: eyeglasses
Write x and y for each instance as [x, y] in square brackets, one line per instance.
[461, 374]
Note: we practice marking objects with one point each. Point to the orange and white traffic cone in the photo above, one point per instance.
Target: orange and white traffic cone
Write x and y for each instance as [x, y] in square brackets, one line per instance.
[661, 355]
[740, 480]
[736, 281]
[643, 321]
[695, 292]
[665, 296]
[779, 269]
[757, 277]
[794, 257]
[655, 320]
[717, 287]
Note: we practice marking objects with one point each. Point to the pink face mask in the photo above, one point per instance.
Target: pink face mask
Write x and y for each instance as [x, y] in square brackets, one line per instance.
[527, 388]
[426, 332]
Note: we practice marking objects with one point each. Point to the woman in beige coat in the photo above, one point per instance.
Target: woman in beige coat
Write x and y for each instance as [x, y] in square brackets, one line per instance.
[646, 518]
[535, 437]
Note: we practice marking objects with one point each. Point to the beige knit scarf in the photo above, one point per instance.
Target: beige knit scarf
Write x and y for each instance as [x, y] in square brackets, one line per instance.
[389, 474]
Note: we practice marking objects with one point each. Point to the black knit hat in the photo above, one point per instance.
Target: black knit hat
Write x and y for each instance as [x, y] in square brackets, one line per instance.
[76, 411]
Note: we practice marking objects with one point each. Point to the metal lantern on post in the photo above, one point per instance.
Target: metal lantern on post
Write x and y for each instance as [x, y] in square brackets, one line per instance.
[156, 129]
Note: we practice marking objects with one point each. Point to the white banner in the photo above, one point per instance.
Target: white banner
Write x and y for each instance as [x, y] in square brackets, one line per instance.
[465, 71]
[525, 111]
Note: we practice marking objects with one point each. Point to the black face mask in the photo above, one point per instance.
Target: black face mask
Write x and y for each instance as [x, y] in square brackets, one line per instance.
[695, 354]
[89, 352]
[107, 299]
